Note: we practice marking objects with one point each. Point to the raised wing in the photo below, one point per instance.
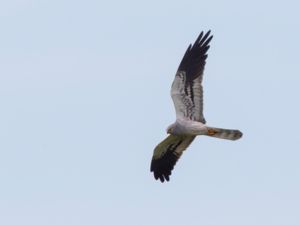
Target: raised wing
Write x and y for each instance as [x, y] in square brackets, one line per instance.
[187, 91]
[166, 154]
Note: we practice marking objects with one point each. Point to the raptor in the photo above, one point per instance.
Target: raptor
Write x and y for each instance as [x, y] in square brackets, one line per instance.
[187, 96]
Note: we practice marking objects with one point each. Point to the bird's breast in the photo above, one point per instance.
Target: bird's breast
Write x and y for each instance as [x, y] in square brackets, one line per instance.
[189, 127]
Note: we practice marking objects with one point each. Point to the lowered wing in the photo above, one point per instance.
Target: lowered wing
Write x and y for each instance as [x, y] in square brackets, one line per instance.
[166, 154]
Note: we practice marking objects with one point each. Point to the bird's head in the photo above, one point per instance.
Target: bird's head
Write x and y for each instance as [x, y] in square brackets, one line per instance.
[170, 129]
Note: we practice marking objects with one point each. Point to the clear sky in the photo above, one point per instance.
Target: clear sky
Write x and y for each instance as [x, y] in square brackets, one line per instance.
[84, 95]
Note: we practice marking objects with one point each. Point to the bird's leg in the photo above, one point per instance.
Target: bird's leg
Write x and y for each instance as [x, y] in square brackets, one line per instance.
[211, 132]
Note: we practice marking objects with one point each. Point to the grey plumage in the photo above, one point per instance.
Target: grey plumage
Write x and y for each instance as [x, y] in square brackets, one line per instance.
[187, 96]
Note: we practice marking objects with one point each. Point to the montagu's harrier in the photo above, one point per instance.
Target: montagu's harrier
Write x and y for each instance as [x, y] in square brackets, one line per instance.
[187, 95]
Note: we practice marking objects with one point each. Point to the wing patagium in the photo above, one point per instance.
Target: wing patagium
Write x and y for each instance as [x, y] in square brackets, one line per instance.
[166, 154]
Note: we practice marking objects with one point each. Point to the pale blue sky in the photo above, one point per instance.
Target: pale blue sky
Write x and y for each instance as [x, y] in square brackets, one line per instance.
[84, 94]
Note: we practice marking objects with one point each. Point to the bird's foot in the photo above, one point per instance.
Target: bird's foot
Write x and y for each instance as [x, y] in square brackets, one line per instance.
[211, 132]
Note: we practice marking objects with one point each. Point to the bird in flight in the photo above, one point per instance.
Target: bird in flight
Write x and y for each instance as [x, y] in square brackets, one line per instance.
[187, 96]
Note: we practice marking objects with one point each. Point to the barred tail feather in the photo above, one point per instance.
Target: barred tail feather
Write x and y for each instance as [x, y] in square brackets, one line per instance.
[224, 133]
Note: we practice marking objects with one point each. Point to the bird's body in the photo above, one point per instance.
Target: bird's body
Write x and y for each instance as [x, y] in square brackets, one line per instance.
[187, 95]
[183, 127]
[187, 128]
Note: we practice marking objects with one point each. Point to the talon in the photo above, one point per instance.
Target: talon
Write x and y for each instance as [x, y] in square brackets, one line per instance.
[211, 132]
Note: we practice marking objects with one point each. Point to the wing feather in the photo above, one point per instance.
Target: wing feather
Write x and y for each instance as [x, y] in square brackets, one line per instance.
[187, 90]
[166, 154]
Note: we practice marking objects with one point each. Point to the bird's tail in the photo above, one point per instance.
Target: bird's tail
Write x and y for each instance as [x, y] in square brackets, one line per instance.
[224, 133]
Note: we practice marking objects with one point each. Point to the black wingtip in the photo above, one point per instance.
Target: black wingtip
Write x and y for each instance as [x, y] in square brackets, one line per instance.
[204, 41]
[193, 61]
[162, 168]
[199, 38]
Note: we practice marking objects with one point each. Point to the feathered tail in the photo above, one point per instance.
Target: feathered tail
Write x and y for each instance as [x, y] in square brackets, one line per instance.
[224, 133]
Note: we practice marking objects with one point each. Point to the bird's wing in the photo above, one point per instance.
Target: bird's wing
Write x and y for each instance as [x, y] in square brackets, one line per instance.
[167, 153]
[187, 91]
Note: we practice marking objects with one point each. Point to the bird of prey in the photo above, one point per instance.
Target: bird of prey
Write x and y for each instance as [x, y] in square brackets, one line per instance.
[187, 96]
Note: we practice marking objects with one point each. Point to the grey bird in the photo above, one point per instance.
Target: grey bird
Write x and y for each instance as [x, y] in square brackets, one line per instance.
[187, 96]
